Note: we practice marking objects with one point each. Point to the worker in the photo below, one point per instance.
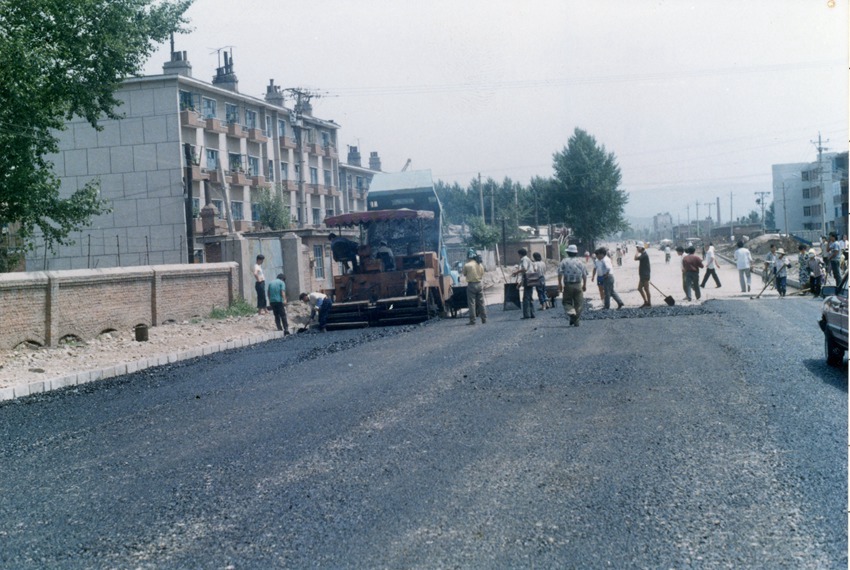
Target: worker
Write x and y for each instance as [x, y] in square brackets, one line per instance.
[473, 272]
[319, 303]
[344, 250]
[385, 254]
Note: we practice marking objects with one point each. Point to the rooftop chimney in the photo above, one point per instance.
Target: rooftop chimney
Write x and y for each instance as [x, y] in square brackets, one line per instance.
[353, 156]
[179, 65]
[374, 161]
[273, 94]
[224, 76]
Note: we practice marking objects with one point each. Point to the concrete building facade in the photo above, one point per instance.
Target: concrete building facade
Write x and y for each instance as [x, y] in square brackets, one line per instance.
[810, 198]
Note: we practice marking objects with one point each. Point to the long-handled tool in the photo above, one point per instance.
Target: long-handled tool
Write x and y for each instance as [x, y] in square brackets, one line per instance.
[667, 298]
[766, 285]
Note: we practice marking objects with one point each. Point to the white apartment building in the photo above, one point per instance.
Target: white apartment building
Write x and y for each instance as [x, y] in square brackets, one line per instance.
[808, 197]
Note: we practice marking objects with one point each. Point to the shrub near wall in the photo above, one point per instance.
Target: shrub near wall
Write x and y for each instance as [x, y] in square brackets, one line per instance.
[44, 307]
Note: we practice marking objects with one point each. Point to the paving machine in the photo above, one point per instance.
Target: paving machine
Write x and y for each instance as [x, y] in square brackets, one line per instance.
[400, 277]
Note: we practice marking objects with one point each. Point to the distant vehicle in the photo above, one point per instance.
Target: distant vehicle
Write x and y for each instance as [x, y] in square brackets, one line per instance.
[833, 322]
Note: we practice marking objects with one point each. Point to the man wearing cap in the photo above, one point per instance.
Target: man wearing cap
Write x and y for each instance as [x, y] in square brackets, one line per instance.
[473, 273]
[780, 270]
[643, 274]
[572, 282]
[691, 264]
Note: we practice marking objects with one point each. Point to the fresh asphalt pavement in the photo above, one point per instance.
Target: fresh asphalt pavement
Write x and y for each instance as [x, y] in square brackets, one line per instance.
[710, 436]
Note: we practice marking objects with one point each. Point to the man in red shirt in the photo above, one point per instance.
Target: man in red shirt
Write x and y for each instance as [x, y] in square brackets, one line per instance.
[691, 264]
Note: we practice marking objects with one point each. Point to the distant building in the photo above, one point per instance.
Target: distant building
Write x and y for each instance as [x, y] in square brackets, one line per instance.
[810, 198]
[662, 226]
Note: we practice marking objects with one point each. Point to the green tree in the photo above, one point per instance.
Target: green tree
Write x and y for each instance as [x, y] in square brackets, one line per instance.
[61, 59]
[585, 194]
[482, 236]
[272, 213]
[770, 217]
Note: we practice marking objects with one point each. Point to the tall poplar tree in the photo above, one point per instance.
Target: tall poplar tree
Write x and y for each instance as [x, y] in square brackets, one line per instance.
[60, 59]
[585, 193]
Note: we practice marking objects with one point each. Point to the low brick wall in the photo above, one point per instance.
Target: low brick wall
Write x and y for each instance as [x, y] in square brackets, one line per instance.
[44, 307]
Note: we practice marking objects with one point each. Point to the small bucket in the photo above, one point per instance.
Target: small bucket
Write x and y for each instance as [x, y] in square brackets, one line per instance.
[141, 333]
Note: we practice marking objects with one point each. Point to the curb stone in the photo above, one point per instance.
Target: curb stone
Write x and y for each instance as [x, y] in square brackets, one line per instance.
[56, 383]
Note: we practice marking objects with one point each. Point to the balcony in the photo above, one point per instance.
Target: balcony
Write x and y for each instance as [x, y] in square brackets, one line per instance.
[260, 182]
[316, 149]
[215, 176]
[257, 135]
[331, 152]
[290, 185]
[214, 125]
[287, 142]
[333, 191]
[199, 173]
[237, 130]
[316, 189]
[190, 118]
[238, 178]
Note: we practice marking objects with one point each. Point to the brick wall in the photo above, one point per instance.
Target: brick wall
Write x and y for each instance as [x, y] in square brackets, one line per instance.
[44, 307]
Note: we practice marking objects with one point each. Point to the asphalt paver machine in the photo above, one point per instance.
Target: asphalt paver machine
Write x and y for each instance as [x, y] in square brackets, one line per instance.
[401, 277]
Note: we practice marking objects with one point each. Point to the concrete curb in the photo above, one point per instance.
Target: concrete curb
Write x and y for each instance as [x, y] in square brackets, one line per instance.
[79, 378]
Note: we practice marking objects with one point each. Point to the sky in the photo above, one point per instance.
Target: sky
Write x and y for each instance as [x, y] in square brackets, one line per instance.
[695, 99]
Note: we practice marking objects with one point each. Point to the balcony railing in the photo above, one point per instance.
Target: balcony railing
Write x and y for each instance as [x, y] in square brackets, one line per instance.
[239, 178]
[190, 118]
[287, 142]
[214, 125]
[257, 135]
[260, 182]
[237, 130]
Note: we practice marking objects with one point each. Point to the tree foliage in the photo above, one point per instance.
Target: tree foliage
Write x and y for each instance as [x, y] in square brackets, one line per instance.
[59, 60]
[585, 192]
[482, 236]
[272, 213]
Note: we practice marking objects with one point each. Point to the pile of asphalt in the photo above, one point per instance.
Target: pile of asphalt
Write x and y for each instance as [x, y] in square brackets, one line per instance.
[646, 312]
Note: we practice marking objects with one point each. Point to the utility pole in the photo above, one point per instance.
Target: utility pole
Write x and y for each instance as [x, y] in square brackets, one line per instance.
[481, 196]
[710, 205]
[821, 148]
[688, 210]
[785, 209]
[731, 220]
[302, 101]
[760, 200]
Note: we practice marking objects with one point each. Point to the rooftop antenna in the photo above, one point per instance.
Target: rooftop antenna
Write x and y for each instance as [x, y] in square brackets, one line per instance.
[218, 52]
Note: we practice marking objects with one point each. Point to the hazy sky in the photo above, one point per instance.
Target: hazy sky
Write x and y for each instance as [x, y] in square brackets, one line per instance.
[696, 99]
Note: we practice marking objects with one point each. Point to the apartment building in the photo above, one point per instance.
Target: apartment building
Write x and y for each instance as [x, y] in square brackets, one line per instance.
[810, 198]
[178, 134]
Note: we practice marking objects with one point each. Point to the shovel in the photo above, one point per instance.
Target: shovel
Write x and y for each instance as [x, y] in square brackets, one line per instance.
[667, 298]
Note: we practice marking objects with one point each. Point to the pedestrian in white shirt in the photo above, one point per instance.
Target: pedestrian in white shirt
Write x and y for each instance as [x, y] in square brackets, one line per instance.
[744, 262]
[710, 267]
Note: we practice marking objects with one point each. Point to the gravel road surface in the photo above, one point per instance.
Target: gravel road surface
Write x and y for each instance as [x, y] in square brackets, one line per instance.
[709, 436]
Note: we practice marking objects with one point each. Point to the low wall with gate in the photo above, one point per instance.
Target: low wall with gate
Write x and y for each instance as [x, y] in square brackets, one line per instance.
[44, 307]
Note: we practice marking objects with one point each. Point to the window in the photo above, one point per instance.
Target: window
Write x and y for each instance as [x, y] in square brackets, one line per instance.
[236, 210]
[270, 174]
[311, 136]
[253, 166]
[196, 207]
[268, 131]
[212, 159]
[284, 171]
[807, 211]
[326, 139]
[314, 175]
[187, 101]
[807, 193]
[208, 108]
[328, 178]
[348, 179]
[234, 162]
[319, 257]
[804, 175]
[329, 213]
[816, 210]
[256, 210]
[231, 113]
[281, 128]
[251, 119]
[360, 183]
[317, 216]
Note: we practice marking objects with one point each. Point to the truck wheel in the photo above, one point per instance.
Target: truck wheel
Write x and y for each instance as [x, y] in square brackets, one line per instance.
[834, 353]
